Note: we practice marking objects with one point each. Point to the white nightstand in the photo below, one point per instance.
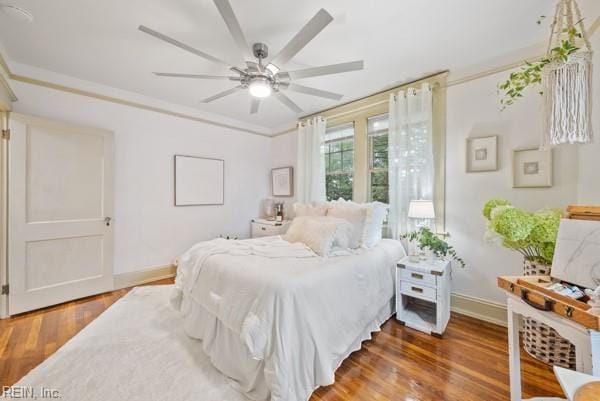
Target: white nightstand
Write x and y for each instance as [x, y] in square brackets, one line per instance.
[423, 295]
[267, 228]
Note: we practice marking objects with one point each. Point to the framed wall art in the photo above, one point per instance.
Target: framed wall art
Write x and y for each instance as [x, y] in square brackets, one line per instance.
[532, 168]
[282, 181]
[482, 154]
[199, 181]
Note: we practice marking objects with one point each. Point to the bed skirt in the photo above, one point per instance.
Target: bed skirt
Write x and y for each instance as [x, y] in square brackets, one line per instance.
[231, 357]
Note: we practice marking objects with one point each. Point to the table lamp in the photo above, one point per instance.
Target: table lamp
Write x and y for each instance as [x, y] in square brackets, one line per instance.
[422, 211]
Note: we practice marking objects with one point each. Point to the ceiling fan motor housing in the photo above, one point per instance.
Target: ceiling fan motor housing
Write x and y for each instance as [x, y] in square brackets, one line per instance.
[260, 50]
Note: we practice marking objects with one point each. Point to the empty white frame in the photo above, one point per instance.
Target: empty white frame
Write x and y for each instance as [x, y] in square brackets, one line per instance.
[199, 181]
[482, 154]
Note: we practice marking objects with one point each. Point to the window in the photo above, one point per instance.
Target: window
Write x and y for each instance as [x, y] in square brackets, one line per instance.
[377, 132]
[338, 149]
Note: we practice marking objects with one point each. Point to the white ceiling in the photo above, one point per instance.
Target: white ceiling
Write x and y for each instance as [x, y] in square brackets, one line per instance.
[399, 40]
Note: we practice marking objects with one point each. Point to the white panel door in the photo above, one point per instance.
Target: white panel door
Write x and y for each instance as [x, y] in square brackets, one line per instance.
[60, 200]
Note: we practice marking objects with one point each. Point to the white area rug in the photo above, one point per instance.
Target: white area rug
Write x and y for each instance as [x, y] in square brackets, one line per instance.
[135, 350]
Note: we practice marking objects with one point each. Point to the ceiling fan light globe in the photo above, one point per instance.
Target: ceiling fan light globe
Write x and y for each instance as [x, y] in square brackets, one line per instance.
[260, 88]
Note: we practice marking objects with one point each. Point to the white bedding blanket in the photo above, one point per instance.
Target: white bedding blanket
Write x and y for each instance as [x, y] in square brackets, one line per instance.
[295, 311]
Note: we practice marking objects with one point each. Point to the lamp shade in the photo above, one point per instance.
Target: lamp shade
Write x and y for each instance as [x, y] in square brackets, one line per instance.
[421, 209]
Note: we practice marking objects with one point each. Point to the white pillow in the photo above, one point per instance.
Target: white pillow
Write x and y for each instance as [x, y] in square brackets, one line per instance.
[375, 216]
[317, 234]
[343, 232]
[374, 225]
[306, 209]
[355, 216]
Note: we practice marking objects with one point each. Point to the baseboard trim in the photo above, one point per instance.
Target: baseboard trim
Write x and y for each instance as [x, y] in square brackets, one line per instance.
[478, 308]
[131, 279]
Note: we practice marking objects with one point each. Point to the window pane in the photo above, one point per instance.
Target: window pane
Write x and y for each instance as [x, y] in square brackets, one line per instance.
[335, 161]
[348, 145]
[338, 186]
[379, 187]
[335, 146]
[348, 161]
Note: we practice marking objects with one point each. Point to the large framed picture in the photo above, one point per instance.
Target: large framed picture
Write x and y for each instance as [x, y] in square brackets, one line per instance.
[532, 168]
[199, 181]
[282, 181]
[482, 154]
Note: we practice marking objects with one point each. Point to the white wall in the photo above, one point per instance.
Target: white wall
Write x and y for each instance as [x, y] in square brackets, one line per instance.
[283, 154]
[473, 110]
[149, 230]
[589, 155]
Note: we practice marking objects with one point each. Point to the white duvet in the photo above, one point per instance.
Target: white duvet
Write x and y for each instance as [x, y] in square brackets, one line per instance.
[298, 313]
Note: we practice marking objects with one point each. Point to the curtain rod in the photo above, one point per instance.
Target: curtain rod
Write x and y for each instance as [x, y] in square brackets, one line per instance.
[376, 93]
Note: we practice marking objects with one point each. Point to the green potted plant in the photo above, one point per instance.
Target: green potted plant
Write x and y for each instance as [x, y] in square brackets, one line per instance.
[533, 235]
[429, 241]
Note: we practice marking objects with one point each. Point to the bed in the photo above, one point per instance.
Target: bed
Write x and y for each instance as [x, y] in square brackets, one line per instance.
[278, 320]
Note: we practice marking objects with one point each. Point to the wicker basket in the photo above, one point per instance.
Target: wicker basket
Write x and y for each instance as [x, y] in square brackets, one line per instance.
[541, 341]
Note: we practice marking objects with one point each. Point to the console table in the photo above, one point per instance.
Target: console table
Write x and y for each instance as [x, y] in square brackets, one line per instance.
[586, 341]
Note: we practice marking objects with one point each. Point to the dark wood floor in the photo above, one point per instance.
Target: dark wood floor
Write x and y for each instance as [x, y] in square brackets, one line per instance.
[469, 364]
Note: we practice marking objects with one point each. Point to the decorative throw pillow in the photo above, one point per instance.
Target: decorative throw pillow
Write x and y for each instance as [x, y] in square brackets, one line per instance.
[356, 216]
[343, 232]
[376, 213]
[306, 209]
[317, 234]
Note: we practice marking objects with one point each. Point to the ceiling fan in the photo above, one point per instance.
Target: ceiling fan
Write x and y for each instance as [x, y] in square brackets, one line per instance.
[263, 80]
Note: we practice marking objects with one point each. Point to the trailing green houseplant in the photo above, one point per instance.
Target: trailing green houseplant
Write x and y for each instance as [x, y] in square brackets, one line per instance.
[531, 234]
[426, 239]
[531, 73]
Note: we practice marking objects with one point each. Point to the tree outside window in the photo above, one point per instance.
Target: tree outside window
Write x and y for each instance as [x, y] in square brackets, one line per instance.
[338, 150]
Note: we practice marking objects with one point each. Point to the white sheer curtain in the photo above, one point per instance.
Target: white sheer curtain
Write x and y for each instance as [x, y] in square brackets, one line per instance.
[410, 152]
[310, 171]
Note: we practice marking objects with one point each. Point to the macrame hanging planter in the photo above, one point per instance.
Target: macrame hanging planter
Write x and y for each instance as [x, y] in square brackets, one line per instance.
[568, 83]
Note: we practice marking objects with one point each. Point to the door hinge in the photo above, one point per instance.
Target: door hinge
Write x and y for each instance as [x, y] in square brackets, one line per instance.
[6, 134]
[5, 289]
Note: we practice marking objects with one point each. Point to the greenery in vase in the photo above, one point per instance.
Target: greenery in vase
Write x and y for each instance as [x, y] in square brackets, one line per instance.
[428, 240]
[531, 234]
[531, 73]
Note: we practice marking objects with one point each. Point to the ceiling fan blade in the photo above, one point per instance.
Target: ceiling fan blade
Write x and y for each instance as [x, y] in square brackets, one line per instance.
[254, 105]
[323, 70]
[183, 46]
[223, 94]
[234, 28]
[306, 34]
[312, 91]
[200, 76]
[288, 102]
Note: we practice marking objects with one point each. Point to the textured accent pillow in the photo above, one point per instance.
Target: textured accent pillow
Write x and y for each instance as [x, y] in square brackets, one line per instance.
[306, 209]
[317, 234]
[343, 232]
[356, 216]
[375, 216]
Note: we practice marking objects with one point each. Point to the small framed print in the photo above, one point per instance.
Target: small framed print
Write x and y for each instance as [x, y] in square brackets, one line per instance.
[532, 168]
[282, 181]
[482, 154]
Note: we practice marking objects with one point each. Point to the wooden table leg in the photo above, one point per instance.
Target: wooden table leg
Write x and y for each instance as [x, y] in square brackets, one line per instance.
[514, 355]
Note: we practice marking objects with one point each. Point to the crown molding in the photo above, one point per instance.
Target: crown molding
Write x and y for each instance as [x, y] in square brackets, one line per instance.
[39, 77]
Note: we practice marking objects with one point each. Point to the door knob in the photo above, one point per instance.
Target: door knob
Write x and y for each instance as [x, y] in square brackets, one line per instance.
[107, 221]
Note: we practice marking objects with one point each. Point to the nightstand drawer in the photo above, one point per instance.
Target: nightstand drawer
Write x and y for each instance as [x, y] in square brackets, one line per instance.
[268, 230]
[418, 291]
[418, 277]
